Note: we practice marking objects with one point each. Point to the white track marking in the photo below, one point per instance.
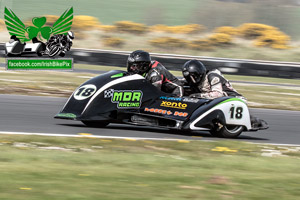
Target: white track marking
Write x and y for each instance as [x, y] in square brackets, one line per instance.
[90, 136]
[134, 138]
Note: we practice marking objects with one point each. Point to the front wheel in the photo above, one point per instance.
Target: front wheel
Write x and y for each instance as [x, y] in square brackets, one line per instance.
[228, 131]
[96, 124]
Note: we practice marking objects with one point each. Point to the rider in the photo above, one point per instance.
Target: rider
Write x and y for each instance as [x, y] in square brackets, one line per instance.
[64, 40]
[139, 62]
[14, 38]
[212, 84]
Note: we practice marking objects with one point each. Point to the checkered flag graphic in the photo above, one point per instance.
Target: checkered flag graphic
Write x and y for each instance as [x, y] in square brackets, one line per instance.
[108, 93]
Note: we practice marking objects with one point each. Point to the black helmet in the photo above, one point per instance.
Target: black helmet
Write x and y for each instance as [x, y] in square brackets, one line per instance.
[194, 72]
[138, 62]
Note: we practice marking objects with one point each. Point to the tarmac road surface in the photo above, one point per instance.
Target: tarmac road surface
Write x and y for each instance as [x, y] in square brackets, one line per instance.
[35, 115]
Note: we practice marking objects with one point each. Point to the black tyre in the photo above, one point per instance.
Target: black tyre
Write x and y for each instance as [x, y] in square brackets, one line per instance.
[39, 52]
[228, 131]
[97, 124]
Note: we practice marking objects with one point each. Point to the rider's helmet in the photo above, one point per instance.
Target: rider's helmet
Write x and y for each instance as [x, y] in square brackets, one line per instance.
[194, 72]
[138, 62]
[70, 36]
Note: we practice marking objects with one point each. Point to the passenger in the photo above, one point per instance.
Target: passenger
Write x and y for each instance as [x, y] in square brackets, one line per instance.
[139, 62]
[203, 83]
[206, 84]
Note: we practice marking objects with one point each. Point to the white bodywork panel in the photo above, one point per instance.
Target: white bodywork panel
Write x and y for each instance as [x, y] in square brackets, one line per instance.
[236, 113]
[32, 46]
[10, 46]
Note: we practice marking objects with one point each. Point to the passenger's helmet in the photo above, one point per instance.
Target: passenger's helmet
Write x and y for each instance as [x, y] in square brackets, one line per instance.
[70, 35]
[138, 62]
[194, 72]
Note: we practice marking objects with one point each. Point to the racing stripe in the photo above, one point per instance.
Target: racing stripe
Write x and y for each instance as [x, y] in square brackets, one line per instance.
[155, 64]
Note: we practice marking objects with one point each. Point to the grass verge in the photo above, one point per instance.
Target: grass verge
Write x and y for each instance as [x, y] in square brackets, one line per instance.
[37, 167]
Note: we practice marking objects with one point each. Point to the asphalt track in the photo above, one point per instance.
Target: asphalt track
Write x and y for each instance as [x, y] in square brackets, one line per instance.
[35, 115]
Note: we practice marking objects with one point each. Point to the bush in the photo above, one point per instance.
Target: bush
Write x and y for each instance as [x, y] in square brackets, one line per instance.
[219, 39]
[131, 27]
[253, 30]
[274, 39]
[201, 44]
[229, 30]
[113, 42]
[83, 23]
[51, 19]
[183, 29]
[2, 25]
[108, 28]
[158, 28]
[80, 35]
[168, 42]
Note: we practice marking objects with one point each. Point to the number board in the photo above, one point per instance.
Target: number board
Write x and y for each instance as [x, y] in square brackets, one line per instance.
[85, 92]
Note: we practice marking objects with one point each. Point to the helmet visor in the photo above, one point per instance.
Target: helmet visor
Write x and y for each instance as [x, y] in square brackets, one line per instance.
[138, 67]
[192, 78]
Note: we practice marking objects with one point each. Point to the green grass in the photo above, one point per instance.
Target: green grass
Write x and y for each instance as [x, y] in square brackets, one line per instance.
[90, 168]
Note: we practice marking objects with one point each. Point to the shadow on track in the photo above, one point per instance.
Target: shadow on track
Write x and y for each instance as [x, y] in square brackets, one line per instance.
[193, 135]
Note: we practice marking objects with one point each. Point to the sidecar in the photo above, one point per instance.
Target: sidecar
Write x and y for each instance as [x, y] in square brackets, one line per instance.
[117, 97]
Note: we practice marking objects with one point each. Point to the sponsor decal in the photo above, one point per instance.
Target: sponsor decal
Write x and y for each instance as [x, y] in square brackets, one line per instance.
[215, 81]
[170, 98]
[190, 100]
[117, 75]
[166, 112]
[181, 114]
[125, 98]
[177, 105]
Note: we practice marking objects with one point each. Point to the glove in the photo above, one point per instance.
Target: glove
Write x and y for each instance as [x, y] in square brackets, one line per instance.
[196, 95]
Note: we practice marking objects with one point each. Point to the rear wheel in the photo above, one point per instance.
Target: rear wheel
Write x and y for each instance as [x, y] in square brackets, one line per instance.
[228, 131]
[97, 124]
[53, 51]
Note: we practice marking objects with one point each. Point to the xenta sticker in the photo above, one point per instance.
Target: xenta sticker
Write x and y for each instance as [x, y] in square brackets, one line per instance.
[85, 92]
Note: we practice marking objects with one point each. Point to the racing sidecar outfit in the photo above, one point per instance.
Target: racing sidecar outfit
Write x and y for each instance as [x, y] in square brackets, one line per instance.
[161, 78]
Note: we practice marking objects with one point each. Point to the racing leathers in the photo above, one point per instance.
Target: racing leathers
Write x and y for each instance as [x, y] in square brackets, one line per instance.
[215, 85]
[161, 78]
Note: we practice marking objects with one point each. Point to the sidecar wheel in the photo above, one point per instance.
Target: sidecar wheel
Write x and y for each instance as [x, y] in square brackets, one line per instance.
[96, 124]
[228, 131]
